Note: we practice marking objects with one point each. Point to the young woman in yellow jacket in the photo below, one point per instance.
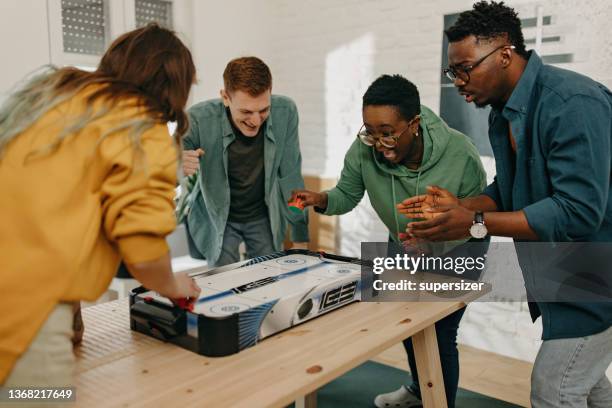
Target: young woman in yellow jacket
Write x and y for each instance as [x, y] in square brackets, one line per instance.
[87, 174]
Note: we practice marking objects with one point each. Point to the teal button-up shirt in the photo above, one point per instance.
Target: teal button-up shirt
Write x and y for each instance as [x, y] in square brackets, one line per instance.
[560, 177]
[211, 130]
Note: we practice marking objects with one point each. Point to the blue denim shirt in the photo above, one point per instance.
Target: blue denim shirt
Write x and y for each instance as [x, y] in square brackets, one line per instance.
[560, 175]
[211, 130]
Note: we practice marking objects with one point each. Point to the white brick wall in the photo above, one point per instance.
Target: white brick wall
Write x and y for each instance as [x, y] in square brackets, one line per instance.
[393, 36]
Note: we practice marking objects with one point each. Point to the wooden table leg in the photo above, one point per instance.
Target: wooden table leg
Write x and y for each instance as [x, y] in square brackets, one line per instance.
[307, 401]
[427, 358]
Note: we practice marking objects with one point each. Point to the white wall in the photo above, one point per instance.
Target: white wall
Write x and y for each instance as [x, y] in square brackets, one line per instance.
[226, 30]
[24, 40]
[394, 36]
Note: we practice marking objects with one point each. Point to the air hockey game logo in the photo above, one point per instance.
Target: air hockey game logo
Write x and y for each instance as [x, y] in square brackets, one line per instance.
[229, 308]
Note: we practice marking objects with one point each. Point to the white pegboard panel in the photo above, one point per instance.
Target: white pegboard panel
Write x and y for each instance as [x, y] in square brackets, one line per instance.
[158, 11]
[84, 26]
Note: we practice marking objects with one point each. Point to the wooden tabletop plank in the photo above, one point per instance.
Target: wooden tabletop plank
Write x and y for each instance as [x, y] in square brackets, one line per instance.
[118, 367]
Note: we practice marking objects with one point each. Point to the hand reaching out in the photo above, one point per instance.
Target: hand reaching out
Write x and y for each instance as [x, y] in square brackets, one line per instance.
[309, 198]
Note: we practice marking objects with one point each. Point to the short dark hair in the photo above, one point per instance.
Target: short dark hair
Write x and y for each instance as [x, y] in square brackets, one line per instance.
[396, 91]
[488, 21]
[248, 74]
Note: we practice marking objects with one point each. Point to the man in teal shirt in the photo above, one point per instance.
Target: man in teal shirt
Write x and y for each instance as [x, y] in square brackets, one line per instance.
[550, 130]
[246, 149]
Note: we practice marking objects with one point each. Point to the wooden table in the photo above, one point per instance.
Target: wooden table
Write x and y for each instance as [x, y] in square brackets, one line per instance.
[118, 367]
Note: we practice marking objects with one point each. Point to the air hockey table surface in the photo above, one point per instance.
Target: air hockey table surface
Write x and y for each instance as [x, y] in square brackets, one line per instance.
[243, 304]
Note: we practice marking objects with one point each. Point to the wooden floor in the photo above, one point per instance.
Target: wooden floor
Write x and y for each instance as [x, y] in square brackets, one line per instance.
[487, 373]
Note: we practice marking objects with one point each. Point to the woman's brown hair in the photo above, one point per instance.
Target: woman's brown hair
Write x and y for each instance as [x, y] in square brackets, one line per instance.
[150, 65]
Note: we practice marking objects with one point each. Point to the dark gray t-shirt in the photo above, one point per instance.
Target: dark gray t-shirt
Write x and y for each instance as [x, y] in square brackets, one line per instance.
[246, 176]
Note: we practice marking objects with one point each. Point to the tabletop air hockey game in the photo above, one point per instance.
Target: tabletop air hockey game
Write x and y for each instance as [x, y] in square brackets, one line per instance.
[244, 303]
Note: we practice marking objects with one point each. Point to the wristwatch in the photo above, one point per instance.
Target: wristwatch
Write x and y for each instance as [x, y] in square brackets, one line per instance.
[478, 229]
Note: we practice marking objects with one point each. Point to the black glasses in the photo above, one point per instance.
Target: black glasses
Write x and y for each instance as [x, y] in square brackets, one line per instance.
[463, 72]
[388, 141]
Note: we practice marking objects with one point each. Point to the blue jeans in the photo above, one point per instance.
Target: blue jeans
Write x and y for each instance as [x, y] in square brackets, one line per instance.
[257, 237]
[447, 328]
[446, 332]
[571, 373]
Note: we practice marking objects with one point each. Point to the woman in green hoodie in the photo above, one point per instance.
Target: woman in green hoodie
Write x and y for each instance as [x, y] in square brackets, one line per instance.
[402, 148]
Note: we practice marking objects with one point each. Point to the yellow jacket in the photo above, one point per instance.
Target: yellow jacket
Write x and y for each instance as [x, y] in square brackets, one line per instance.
[69, 215]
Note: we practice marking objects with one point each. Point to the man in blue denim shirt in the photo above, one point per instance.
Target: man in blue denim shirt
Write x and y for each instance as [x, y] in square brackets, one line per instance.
[245, 146]
[550, 130]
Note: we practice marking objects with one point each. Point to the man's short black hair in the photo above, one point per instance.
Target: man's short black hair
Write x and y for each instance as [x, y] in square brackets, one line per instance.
[396, 91]
[488, 21]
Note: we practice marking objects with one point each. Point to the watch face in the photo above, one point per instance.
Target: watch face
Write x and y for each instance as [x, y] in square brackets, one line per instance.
[478, 230]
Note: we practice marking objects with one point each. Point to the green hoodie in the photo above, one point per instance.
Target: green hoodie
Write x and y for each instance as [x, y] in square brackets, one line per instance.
[450, 160]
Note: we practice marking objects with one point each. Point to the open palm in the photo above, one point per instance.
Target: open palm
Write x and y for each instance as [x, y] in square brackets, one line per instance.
[425, 205]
